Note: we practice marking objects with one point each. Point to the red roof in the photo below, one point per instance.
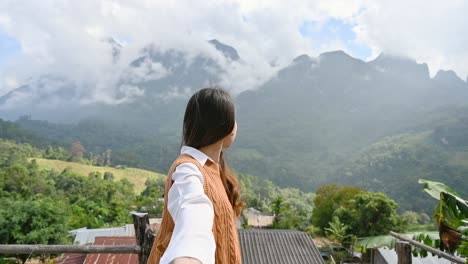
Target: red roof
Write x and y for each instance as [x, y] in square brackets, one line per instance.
[72, 258]
[113, 258]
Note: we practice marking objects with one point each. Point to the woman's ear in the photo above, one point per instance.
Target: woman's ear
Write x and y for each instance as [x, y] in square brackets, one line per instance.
[227, 141]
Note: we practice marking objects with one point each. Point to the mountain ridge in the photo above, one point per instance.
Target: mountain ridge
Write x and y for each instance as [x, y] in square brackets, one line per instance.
[300, 128]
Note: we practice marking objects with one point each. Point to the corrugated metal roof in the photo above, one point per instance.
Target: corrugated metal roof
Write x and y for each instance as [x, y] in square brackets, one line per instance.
[113, 258]
[85, 236]
[270, 246]
[72, 258]
[391, 256]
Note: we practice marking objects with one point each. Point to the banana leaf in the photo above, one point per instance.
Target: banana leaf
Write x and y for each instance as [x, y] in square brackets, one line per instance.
[435, 188]
[451, 215]
[389, 241]
[452, 209]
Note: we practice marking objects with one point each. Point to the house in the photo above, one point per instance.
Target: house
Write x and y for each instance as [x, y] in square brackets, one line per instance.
[84, 236]
[124, 235]
[258, 246]
[255, 218]
[103, 258]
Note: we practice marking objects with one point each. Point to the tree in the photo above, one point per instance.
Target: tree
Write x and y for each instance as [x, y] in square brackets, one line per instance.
[107, 154]
[370, 214]
[337, 229]
[328, 199]
[41, 221]
[58, 153]
[109, 176]
[278, 207]
[77, 151]
[151, 199]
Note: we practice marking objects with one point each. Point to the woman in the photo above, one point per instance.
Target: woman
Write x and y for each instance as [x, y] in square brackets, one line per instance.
[202, 203]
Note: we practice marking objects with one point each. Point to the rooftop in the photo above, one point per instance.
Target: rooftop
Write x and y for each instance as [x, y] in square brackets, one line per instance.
[262, 246]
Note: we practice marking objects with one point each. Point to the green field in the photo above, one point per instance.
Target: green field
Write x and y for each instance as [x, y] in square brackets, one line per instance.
[135, 176]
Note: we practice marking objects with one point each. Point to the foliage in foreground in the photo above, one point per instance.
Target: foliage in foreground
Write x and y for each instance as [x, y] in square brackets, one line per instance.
[451, 217]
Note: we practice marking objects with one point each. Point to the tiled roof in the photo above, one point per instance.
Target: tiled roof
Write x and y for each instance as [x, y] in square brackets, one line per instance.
[113, 258]
[270, 246]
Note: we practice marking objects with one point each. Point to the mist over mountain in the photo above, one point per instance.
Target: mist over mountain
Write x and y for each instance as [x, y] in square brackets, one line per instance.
[317, 120]
[155, 77]
[327, 109]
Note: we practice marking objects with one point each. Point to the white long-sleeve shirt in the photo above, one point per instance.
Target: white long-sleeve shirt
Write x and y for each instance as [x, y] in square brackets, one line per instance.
[192, 212]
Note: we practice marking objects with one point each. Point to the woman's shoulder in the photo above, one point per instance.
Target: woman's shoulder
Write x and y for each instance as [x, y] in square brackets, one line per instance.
[186, 169]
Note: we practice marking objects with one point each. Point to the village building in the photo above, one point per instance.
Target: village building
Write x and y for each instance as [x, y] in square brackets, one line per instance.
[255, 218]
[258, 246]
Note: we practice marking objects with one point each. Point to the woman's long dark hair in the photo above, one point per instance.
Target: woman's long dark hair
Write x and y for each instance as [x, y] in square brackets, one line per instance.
[210, 117]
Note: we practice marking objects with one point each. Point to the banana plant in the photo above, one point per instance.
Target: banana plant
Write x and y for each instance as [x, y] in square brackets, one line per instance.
[451, 216]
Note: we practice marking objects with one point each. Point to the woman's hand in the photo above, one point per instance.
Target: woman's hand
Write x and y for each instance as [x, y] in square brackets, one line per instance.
[185, 261]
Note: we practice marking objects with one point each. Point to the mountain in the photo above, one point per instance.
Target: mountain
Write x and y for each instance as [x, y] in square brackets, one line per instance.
[312, 123]
[395, 164]
[155, 77]
[228, 51]
[400, 67]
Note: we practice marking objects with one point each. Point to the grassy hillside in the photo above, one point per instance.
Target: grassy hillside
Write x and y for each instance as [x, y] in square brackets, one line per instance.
[135, 176]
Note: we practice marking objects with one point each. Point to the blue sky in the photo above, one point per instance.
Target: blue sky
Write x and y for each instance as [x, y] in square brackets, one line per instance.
[332, 30]
[9, 47]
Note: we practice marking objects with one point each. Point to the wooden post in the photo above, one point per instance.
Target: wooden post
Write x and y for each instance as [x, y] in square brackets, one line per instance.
[144, 235]
[403, 250]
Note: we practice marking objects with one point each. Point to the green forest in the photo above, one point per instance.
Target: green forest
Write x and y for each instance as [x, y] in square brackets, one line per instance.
[435, 148]
[39, 205]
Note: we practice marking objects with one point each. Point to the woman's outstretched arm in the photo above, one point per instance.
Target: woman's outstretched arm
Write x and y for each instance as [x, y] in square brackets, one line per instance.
[192, 211]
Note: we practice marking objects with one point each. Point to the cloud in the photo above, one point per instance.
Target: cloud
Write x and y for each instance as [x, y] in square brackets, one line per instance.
[147, 70]
[176, 92]
[66, 38]
[49, 87]
[429, 31]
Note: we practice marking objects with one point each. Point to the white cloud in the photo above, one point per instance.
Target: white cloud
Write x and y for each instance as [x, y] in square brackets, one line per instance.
[146, 71]
[176, 92]
[38, 89]
[65, 37]
[9, 82]
[126, 93]
[435, 32]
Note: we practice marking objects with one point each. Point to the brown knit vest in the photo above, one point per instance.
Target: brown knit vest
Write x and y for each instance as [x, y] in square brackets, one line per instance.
[224, 225]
